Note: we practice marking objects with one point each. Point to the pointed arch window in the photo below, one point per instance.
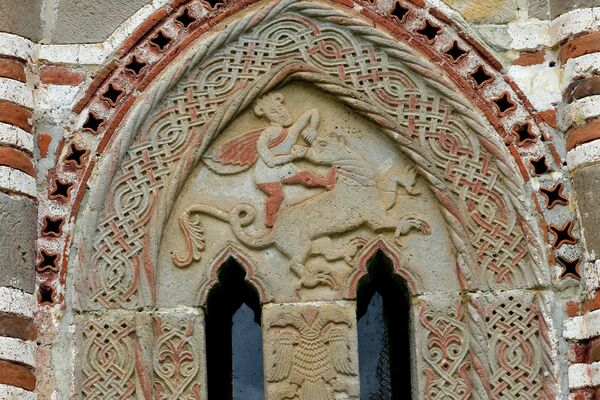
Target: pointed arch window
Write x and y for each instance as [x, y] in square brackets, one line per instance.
[383, 311]
[234, 338]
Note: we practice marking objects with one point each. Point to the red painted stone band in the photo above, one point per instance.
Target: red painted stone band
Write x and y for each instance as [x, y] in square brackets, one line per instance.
[12, 69]
[583, 134]
[579, 46]
[17, 115]
[17, 159]
[16, 326]
[18, 375]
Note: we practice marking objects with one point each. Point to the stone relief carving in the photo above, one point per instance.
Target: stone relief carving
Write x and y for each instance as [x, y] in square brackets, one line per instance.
[445, 347]
[311, 355]
[178, 357]
[452, 150]
[355, 196]
[110, 358]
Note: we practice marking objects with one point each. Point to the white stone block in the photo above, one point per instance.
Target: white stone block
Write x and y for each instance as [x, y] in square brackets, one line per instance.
[16, 92]
[21, 351]
[13, 136]
[14, 301]
[15, 393]
[16, 181]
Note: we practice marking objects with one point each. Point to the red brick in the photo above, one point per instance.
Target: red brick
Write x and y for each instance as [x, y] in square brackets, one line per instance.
[58, 75]
[15, 114]
[44, 141]
[12, 69]
[14, 374]
[16, 326]
[580, 45]
[16, 159]
[530, 58]
[583, 134]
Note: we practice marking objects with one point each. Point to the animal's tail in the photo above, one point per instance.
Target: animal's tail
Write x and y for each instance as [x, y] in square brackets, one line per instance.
[239, 217]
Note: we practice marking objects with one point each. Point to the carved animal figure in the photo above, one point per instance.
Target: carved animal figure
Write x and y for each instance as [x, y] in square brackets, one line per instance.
[300, 230]
[309, 354]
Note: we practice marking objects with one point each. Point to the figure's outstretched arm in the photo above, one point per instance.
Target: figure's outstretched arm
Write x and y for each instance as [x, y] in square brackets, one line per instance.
[272, 160]
[309, 119]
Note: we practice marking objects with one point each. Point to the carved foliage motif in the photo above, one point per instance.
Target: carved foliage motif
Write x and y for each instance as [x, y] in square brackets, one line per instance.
[108, 362]
[176, 359]
[445, 349]
[435, 127]
[311, 354]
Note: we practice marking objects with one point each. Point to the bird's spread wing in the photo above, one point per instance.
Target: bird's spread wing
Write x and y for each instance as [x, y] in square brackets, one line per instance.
[338, 352]
[283, 354]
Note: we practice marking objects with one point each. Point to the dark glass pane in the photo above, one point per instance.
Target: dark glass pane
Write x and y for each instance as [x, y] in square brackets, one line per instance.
[383, 333]
[373, 353]
[247, 356]
[233, 338]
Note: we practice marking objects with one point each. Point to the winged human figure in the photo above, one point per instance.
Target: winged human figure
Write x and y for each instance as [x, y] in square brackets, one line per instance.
[272, 151]
[310, 353]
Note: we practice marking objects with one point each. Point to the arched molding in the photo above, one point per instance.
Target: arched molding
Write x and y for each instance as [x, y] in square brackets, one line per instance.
[99, 118]
[400, 267]
[253, 278]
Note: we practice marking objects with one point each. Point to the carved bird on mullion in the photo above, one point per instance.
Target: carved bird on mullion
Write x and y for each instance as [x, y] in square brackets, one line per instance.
[309, 354]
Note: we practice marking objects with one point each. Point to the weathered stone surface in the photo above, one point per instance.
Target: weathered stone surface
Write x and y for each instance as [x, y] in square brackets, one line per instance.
[311, 349]
[587, 184]
[558, 7]
[17, 239]
[21, 18]
[486, 11]
[539, 9]
[82, 21]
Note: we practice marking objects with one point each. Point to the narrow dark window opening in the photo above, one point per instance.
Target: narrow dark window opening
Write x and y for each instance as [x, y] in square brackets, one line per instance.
[383, 311]
[233, 338]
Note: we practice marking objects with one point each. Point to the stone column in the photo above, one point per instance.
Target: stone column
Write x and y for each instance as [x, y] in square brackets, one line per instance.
[18, 215]
[311, 348]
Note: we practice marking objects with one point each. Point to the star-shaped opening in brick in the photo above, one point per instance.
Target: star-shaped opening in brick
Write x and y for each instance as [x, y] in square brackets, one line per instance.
[60, 191]
[48, 262]
[504, 104]
[539, 166]
[430, 31]
[93, 122]
[213, 4]
[563, 234]
[161, 40]
[570, 268]
[46, 295]
[75, 156]
[523, 134]
[52, 227]
[112, 94]
[480, 76]
[135, 66]
[398, 11]
[185, 18]
[455, 52]
[554, 196]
